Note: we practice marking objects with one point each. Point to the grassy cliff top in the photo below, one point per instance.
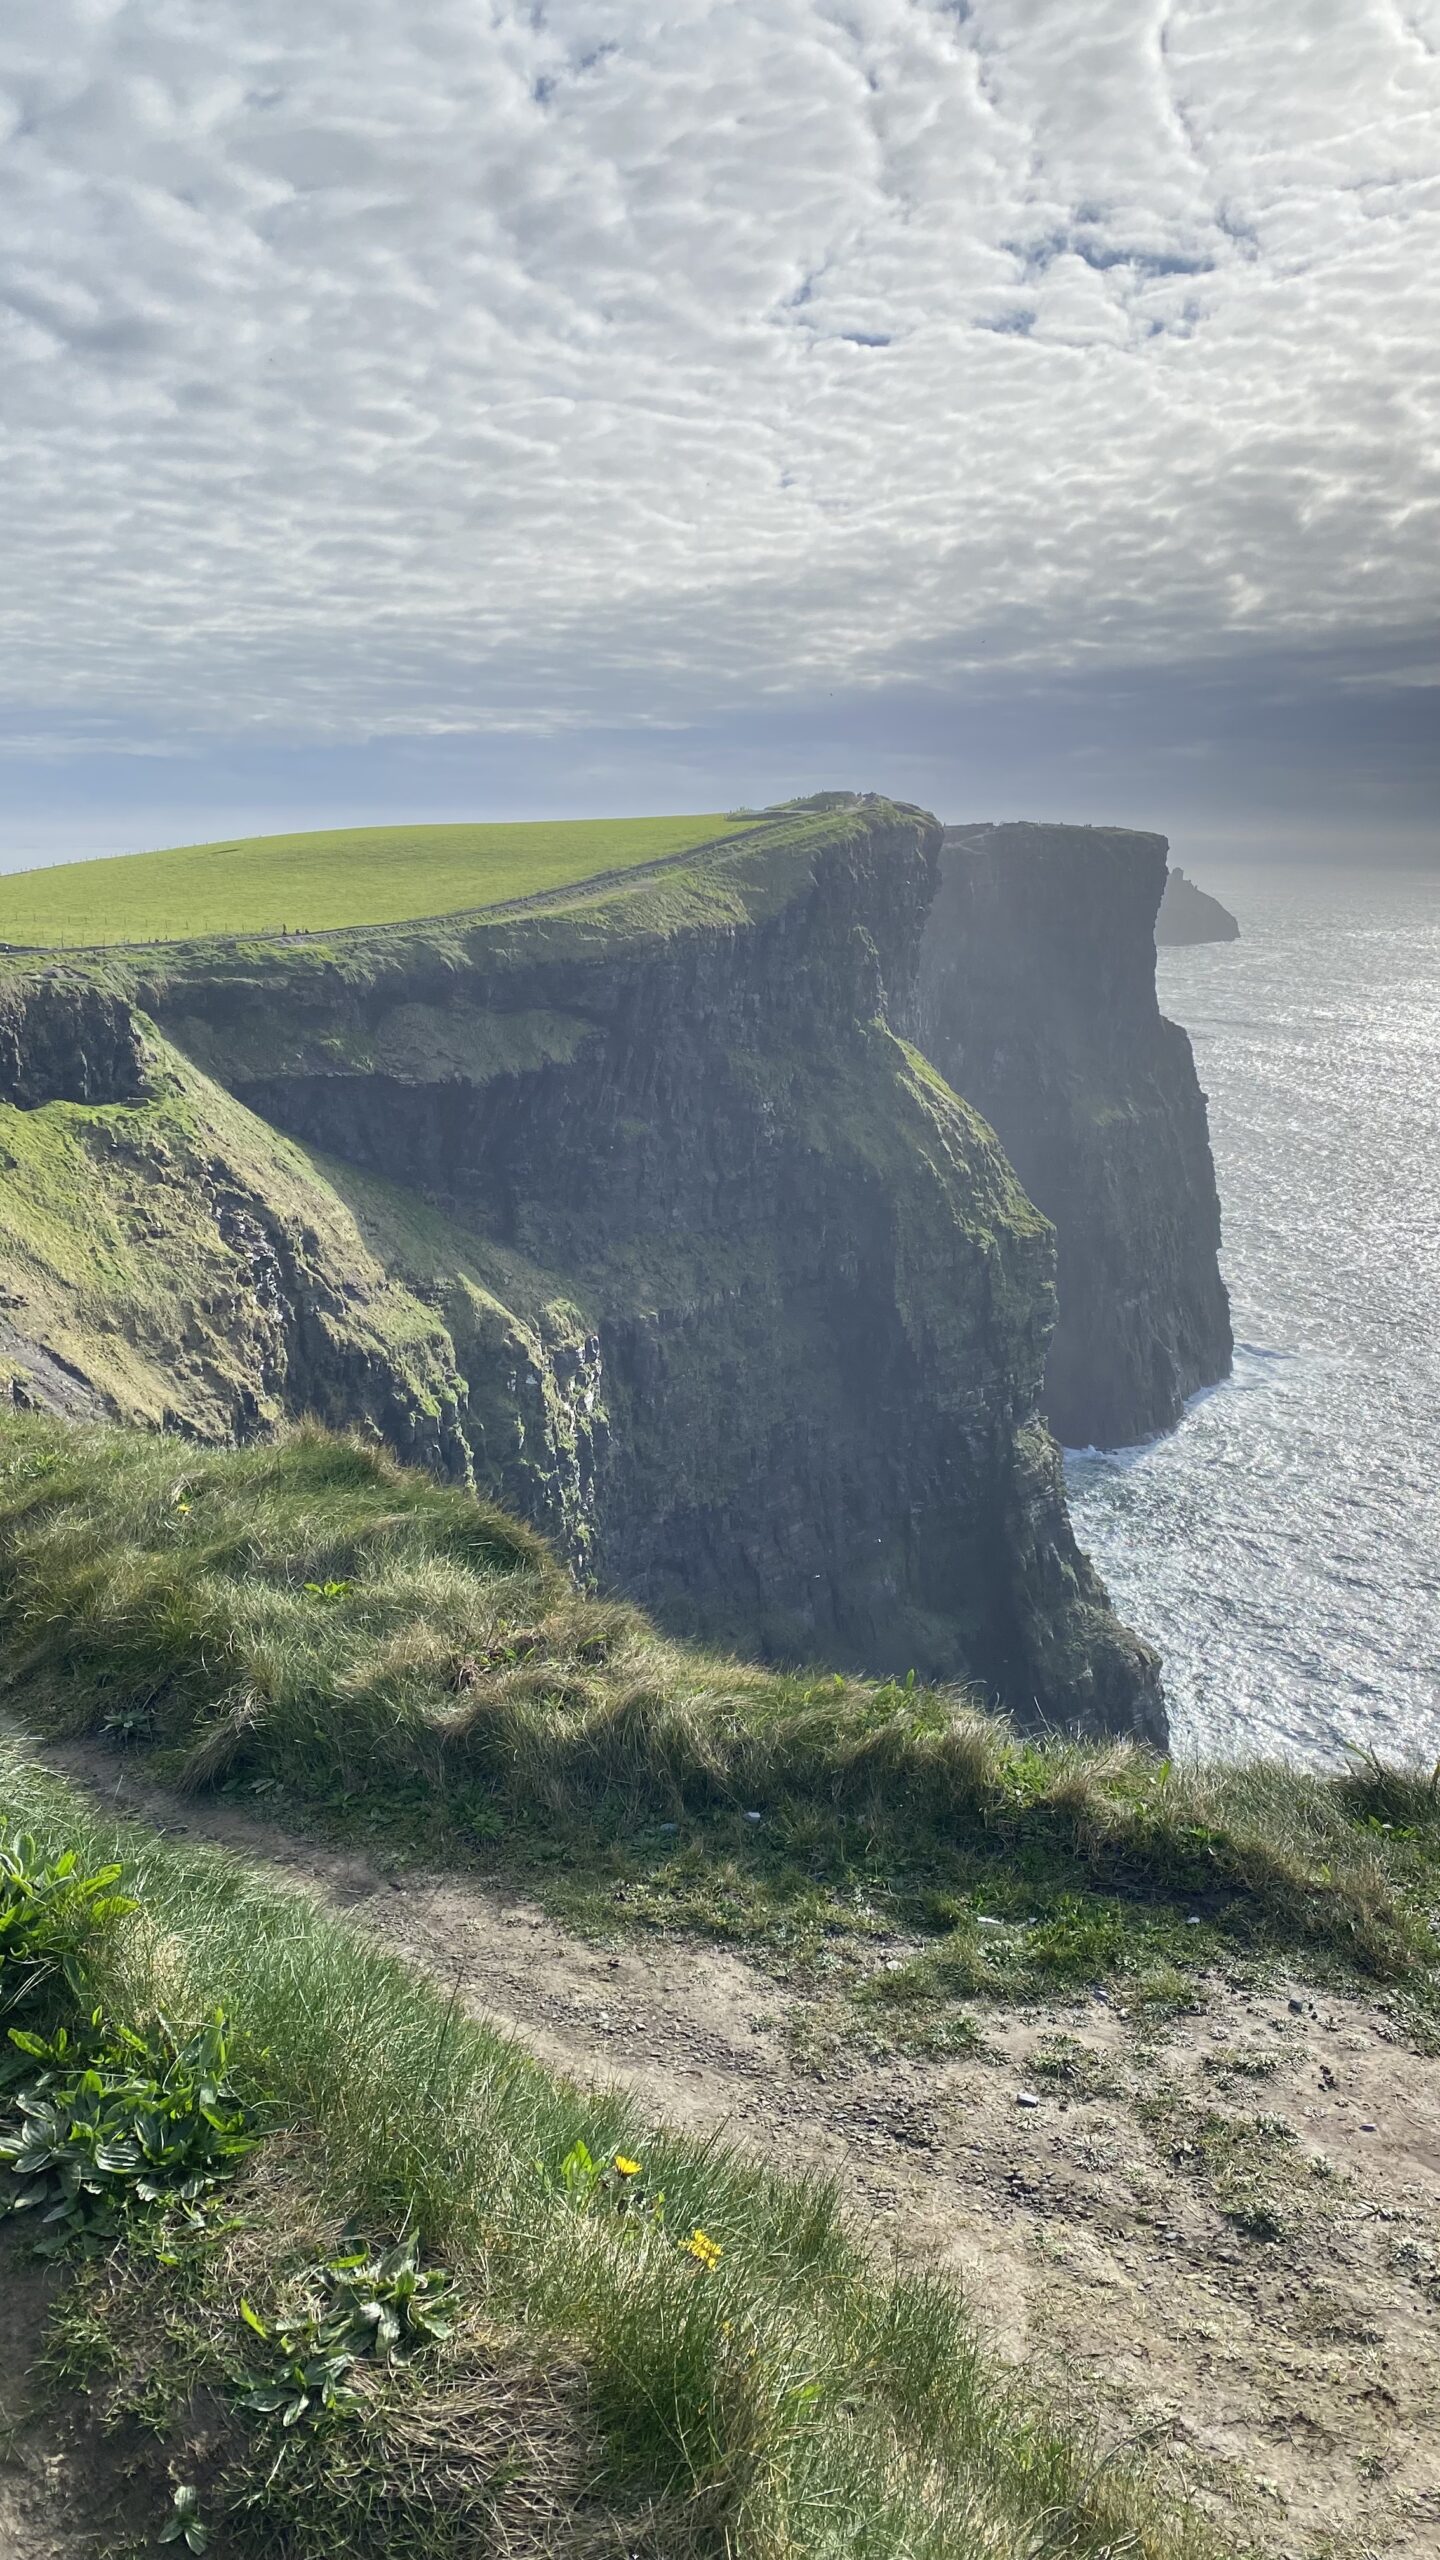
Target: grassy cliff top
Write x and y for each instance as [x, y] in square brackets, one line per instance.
[324, 883]
[386, 1653]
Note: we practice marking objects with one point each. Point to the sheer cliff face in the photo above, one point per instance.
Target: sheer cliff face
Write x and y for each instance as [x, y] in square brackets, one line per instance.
[1036, 997]
[636, 1212]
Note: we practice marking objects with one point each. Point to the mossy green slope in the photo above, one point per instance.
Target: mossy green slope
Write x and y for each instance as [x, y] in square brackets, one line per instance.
[332, 880]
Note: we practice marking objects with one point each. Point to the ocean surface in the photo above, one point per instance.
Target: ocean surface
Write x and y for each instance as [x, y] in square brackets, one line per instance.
[1283, 1546]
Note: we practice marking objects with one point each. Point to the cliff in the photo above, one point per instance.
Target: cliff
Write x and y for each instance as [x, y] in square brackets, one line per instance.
[1188, 914]
[631, 1209]
[1036, 998]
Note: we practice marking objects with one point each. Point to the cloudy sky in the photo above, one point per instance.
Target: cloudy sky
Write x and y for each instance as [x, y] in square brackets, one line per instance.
[453, 407]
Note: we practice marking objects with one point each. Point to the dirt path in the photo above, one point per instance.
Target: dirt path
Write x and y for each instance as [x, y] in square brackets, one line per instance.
[1228, 2233]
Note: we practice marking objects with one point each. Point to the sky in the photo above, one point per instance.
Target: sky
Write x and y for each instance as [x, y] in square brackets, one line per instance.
[456, 409]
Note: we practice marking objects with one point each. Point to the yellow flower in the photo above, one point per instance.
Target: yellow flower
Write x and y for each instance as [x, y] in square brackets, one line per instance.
[706, 2252]
[627, 2168]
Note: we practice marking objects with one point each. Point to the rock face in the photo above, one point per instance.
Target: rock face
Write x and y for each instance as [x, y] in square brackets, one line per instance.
[63, 1040]
[1188, 914]
[634, 1210]
[1036, 997]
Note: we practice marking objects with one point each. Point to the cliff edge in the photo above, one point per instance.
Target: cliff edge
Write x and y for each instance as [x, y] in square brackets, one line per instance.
[1036, 998]
[632, 1210]
[1188, 914]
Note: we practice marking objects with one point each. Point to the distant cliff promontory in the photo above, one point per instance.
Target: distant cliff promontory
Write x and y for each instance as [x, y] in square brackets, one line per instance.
[1036, 998]
[1188, 914]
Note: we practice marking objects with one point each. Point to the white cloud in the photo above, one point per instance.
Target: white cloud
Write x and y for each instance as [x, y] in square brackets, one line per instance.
[416, 364]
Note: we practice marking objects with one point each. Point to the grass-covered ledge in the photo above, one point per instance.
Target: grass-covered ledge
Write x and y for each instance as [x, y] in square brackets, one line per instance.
[314, 1627]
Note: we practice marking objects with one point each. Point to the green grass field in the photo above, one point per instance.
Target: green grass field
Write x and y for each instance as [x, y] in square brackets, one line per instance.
[316, 883]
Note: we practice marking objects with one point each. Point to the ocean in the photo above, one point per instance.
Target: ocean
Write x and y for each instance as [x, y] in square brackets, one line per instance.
[1282, 1547]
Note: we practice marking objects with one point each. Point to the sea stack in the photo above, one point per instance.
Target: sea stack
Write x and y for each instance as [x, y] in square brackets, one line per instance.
[1188, 914]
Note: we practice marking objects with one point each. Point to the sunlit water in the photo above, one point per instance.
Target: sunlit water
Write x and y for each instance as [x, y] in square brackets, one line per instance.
[1283, 1546]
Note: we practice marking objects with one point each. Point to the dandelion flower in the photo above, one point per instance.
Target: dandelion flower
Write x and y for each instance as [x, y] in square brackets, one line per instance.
[706, 2252]
[627, 2168]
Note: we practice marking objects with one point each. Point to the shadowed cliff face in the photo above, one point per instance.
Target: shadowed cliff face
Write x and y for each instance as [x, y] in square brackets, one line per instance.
[637, 1213]
[1036, 997]
[63, 1040]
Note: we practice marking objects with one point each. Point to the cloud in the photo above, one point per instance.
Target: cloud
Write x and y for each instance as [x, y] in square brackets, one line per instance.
[379, 369]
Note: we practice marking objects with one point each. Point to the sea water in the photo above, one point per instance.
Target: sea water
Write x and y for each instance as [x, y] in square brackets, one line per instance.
[1282, 1547]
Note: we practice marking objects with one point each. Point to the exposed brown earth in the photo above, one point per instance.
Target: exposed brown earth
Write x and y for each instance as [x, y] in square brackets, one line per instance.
[1222, 2230]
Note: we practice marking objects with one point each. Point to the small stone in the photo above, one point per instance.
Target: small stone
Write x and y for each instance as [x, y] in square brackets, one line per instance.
[983, 1920]
[752, 1817]
[1026, 2098]
[1297, 2008]
[1367, 2128]
[669, 1826]
[1194, 1920]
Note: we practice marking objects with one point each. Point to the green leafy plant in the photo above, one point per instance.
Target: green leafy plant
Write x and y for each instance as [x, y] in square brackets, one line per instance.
[51, 1916]
[376, 2310]
[185, 2523]
[114, 2120]
[617, 2183]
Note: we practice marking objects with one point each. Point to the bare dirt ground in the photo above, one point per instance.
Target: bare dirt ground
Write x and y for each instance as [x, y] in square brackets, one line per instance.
[33, 2483]
[1222, 2232]
[64, 2489]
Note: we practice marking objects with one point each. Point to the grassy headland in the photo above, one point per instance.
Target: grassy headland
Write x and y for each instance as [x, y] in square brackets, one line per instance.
[342, 877]
[364, 1648]
[724, 2377]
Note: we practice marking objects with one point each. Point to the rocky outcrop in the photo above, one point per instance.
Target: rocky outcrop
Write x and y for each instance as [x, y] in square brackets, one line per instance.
[64, 1040]
[1188, 914]
[637, 1212]
[1036, 997]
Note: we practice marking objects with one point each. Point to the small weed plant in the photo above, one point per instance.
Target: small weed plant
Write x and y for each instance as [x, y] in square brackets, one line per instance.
[616, 2185]
[52, 1917]
[379, 2310]
[113, 2121]
[185, 2523]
